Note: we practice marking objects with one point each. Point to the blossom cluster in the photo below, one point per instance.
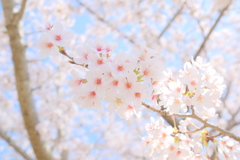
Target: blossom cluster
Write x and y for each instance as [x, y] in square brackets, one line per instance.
[124, 81]
[197, 85]
[50, 41]
[164, 143]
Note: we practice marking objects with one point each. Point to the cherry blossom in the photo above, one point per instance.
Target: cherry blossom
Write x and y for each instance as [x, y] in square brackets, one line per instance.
[124, 81]
[229, 147]
[46, 46]
[84, 53]
[58, 36]
[120, 67]
[48, 26]
[77, 81]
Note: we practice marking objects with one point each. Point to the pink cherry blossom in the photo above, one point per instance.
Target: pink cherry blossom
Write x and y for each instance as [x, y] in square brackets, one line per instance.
[46, 46]
[78, 80]
[207, 113]
[120, 67]
[115, 102]
[84, 53]
[97, 62]
[88, 99]
[201, 98]
[60, 37]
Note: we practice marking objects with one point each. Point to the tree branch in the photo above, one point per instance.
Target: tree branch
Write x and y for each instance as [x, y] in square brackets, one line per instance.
[171, 21]
[25, 98]
[12, 144]
[199, 129]
[194, 116]
[105, 22]
[63, 52]
[18, 16]
[210, 32]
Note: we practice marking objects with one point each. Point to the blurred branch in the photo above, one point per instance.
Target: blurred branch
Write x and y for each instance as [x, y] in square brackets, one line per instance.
[39, 86]
[210, 32]
[105, 22]
[4, 136]
[213, 157]
[34, 32]
[25, 97]
[223, 99]
[171, 21]
[101, 136]
[199, 129]
[170, 121]
[202, 30]
[57, 141]
[18, 16]
[227, 92]
[64, 155]
[231, 122]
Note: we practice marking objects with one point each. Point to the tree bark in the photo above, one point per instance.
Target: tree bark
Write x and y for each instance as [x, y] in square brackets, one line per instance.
[12, 21]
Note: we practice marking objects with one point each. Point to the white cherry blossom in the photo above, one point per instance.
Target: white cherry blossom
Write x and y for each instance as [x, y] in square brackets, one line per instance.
[46, 46]
[58, 36]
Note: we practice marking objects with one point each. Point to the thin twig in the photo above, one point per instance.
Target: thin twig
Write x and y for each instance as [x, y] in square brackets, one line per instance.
[193, 115]
[30, 33]
[210, 32]
[199, 129]
[171, 21]
[63, 52]
[12, 144]
[105, 22]
[219, 134]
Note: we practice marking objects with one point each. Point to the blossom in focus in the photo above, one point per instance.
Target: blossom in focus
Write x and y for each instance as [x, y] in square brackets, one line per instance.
[46, 46]
[77, 80]
[58, 36]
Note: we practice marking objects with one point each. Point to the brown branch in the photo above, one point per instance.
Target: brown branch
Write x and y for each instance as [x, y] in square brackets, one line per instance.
[223, 99]
[155, 110]
[171, 21]
[24, 93]
[64, 155]
[18, 16]
[105, 22]
[194, 116]
[63, 52]
[12, 144]
[164, 115]
[211, 137]
[202, 30]
[228, 91]
[232, 122]
[199, 129]
[214, 154]
[213, 157]
[210, 32]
